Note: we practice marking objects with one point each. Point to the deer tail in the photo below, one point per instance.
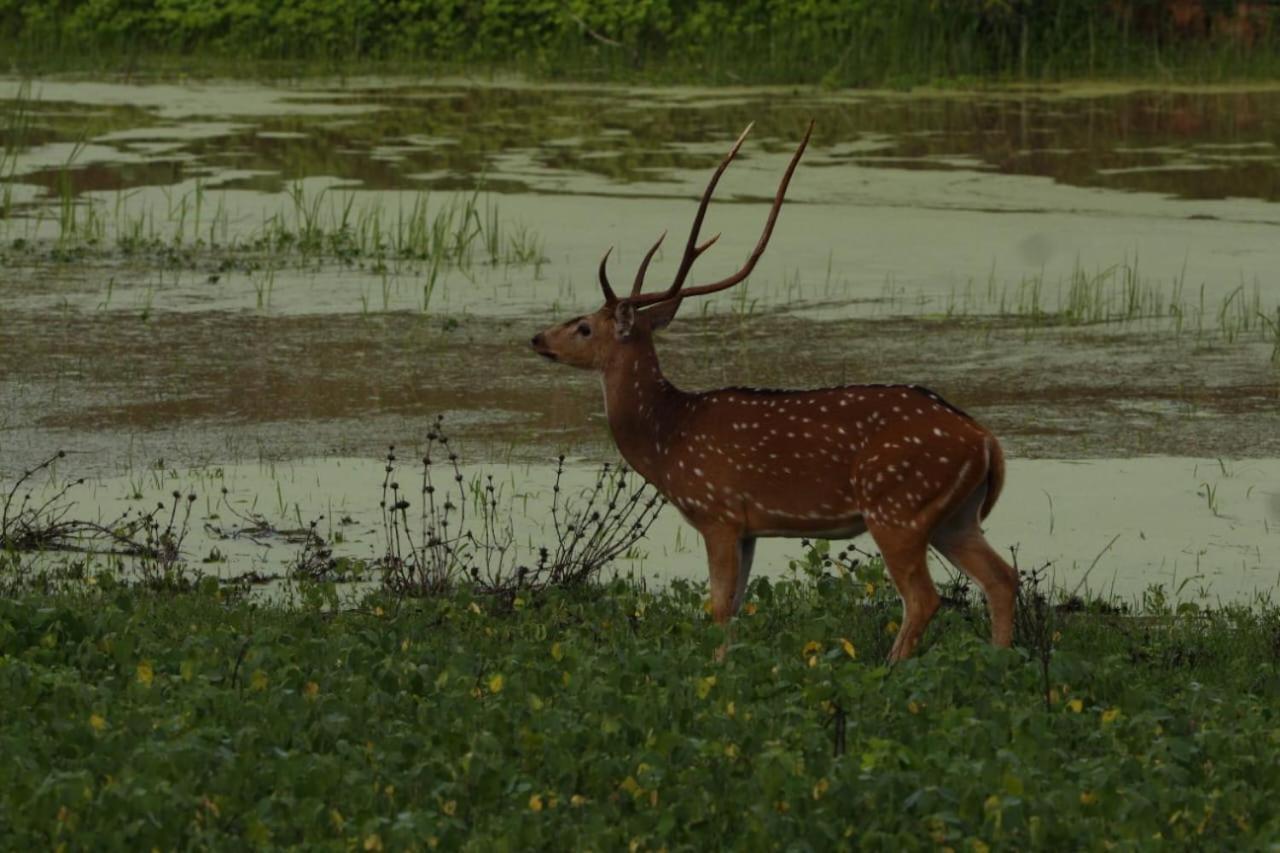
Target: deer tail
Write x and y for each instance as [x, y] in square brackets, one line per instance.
[995, 475]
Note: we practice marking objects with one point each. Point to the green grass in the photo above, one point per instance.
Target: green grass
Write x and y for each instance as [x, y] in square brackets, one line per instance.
[596, 718]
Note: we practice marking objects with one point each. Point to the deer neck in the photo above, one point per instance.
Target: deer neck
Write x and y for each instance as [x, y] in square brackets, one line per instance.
[643, 408]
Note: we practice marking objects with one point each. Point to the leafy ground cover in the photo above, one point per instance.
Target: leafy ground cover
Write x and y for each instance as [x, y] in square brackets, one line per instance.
[596, 718]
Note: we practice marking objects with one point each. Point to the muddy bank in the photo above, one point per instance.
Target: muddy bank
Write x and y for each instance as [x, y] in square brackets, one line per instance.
[243, 387]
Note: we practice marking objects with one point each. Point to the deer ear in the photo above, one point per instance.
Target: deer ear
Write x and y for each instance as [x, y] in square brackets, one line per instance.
[661, 315]
[624, 320]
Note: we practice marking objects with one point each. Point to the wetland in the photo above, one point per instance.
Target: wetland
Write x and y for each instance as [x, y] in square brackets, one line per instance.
[227, 280]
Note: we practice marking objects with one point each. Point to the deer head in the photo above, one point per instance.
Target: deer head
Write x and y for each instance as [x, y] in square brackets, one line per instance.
[592, 341]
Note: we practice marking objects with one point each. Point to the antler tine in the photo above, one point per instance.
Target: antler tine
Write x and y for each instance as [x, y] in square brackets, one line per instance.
[644, 265]
[675, 289]
[609, 296]
[691, 248]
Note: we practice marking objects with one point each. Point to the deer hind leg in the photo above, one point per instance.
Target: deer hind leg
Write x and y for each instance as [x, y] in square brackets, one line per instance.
[906, 557]
[960, 540]
[724, 561]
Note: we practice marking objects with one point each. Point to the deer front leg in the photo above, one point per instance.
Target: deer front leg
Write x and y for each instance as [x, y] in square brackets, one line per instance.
[724, 562]
[746, 554]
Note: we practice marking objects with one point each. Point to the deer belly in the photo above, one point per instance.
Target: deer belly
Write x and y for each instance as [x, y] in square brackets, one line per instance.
[800, 522]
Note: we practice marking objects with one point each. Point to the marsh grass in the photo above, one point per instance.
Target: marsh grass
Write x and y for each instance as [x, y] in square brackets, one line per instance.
[16, 128]
[421, 234]
[1120, 297]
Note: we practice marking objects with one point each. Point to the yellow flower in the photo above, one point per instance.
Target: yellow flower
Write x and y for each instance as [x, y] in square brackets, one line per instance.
[731, 750]
[474, 608]
[311, 690]
[145, 673]
[97, 722]
[1088, 798]
[869, 589]
[495, 683]
[731, 710]
[913, 706]
[1076, 706]
[820, 787]
[377, 611]
[258, 681]
[1109, 716]
[848, 648]
[705, 685]
[556, 651]
[577, 801]
[811, 647]
[373, 842]
[337, 820]
[750, 608]
[449, 807]
[535, 803]
[891, 627]
[979, 846]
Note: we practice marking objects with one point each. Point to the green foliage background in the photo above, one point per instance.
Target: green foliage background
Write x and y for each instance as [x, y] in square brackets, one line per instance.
[836, 42]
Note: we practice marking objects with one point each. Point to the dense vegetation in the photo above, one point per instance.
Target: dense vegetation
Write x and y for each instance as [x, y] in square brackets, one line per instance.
[835, 42]
[596, 718]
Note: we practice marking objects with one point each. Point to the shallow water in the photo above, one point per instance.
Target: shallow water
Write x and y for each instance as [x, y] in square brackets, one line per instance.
[1203, 528]
[935, 238]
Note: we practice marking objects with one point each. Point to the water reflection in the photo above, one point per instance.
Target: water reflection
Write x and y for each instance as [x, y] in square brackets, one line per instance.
[1195, 145]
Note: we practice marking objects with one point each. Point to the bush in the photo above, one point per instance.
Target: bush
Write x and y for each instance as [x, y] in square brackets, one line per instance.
[830, 41]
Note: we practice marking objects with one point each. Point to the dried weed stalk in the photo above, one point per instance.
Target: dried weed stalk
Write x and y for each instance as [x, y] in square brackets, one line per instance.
[448, 544]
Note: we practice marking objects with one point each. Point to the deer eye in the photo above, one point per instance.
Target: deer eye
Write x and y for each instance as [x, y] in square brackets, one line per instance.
[584, 330]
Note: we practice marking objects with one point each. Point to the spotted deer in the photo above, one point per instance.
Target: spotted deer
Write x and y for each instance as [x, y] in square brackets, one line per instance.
[896, 461]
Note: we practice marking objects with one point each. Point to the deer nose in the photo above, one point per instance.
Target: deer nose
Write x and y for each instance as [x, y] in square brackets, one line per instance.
[538, 340]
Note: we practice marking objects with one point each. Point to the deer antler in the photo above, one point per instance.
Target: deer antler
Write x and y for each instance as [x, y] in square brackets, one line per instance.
[609, 297]
[693, 250]
[638, 284]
